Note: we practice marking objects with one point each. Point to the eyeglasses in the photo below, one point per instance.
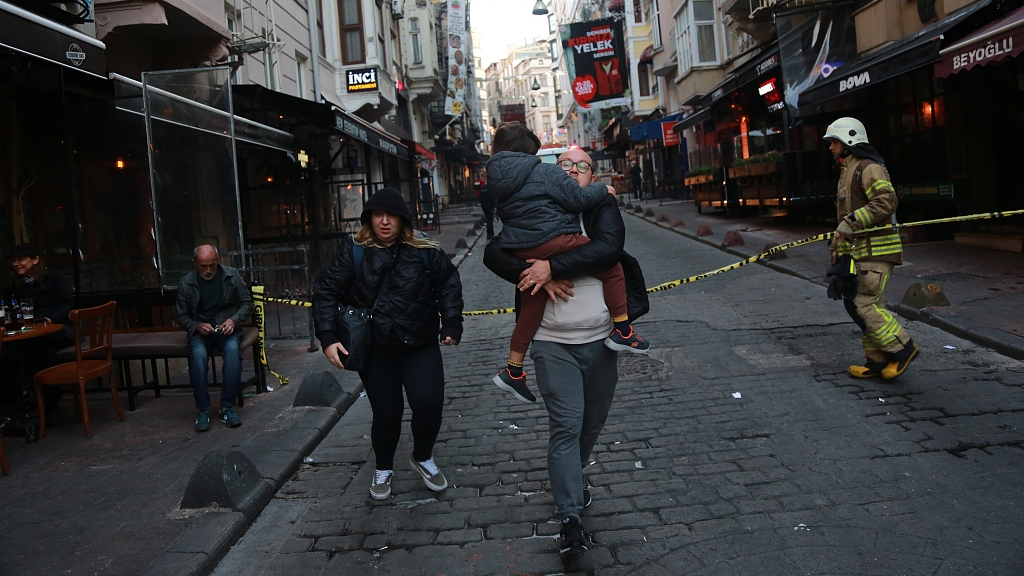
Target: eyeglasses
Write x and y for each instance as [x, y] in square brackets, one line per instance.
[580, 166]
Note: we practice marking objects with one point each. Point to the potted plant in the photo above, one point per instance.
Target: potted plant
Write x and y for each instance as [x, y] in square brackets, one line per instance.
[758, 165]
[700, 175]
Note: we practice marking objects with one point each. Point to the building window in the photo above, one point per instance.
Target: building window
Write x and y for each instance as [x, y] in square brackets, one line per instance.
[706, 31]
[544, 100]
[300, 75]
[682, 39]
[656, 27]
[351, 32]
[551, 23]
[641, 11]
[414, 32]
[380, 33]
[320, 27]
[554, 49]
[644, 79]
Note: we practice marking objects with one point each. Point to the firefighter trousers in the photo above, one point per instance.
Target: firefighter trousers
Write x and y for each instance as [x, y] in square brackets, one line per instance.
[883, 334]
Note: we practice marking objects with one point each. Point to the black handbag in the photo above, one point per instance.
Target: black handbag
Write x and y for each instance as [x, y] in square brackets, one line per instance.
[355, 335]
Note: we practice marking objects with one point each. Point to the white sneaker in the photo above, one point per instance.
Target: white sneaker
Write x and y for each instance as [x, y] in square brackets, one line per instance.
[432, 476]
[381, 487]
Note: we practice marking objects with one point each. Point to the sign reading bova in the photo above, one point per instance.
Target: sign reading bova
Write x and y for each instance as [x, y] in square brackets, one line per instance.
[361, 79]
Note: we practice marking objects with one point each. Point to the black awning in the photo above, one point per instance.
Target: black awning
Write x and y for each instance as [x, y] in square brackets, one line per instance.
[911, 53]
[28, 33]
[692, 120]
[263, 105]
[608, 153]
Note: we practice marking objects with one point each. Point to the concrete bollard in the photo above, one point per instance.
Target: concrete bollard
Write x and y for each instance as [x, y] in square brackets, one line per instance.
[921, 294]
[473, 231]
[638, 209]
[704, 230]
[777, 256]
[461, 243]
[678, 223]
[661, 218]
[733, 238]
[229, 480]
[648, 213]
[629, 206]
[319, 389]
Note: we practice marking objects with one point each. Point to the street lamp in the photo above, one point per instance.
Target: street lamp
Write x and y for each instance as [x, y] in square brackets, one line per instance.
[540, 9]
[536, 85]
[533, 103]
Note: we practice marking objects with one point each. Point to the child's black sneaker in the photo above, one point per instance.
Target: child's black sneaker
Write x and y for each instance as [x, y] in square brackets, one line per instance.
[572, 540]
[514, 384]
[627, 342]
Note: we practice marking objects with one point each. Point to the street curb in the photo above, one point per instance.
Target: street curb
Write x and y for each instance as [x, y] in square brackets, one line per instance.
[204, 544]
[198, 551]
[1002, 342]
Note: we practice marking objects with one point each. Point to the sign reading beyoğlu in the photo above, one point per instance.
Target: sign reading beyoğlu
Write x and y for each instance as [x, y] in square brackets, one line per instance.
[361, 79]
[596, 59]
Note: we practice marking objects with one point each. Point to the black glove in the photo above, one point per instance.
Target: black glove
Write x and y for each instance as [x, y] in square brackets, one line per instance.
[451, 327]
[842, 279]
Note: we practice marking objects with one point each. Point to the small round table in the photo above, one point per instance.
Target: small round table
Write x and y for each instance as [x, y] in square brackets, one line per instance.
[28, 422]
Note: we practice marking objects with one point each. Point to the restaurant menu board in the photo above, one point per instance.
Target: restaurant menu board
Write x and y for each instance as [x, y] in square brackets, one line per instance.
[455, 97]
[596, 57]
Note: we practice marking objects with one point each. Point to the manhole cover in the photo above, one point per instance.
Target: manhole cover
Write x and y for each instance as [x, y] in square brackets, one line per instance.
[952, 277]
[634, 366]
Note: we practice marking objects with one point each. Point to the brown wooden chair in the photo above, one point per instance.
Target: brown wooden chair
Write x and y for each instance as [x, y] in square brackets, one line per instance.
[93, 336]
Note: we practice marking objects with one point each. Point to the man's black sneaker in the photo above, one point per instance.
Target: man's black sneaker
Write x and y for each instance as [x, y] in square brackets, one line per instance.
[228, 417]
[202, 421]
[627, 342]
[572, 540]
[587, 499]
[516, 385]
[902, 359]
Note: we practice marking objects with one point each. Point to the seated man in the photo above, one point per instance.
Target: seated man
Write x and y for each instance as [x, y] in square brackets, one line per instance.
[212, 301]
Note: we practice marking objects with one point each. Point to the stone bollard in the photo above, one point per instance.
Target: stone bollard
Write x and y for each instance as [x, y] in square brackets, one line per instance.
[921, 294]
[662, 218]
[678, 223]
[704, 230]
[229, 480]
[648, 213]
[776, 256]
[319, 389]
[473, 231]
[461, 243]
[629, 206]
[638, 209]
[733, 238]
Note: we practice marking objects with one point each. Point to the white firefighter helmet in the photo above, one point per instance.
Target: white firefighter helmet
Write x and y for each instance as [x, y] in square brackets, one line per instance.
[847, 130]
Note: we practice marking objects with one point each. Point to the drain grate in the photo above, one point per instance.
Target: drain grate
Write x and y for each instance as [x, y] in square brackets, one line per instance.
[953, 278]
[635, 366]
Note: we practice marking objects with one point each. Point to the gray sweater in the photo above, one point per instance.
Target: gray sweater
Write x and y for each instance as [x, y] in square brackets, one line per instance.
[537, 201]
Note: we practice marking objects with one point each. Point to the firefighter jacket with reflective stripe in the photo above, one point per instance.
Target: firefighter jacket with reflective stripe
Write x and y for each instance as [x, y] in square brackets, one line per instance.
[866, 199]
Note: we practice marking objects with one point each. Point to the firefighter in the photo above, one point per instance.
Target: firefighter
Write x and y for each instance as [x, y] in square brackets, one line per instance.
[862, 263]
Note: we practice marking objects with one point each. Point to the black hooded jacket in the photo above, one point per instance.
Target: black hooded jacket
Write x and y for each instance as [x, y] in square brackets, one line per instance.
[607, 233]
[410, 300]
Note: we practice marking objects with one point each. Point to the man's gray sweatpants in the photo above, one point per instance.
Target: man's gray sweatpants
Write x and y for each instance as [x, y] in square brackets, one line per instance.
[578, 383]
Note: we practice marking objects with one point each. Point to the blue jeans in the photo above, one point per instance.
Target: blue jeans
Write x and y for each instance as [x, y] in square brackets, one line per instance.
[200, 347]
[577, 382]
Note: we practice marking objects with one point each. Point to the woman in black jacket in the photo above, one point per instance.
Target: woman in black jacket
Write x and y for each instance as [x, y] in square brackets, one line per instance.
[415, 296]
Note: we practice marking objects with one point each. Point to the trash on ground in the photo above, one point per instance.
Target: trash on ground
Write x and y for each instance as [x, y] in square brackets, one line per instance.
[949, 347]
[638, 464]
[307, 460]
[737, 395]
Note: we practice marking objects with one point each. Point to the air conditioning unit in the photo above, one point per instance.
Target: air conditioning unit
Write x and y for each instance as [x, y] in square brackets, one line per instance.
[398, 9]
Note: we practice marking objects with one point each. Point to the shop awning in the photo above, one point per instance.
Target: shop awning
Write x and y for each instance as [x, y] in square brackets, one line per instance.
[693, 119]
[646, 56]
[25, 32]
[365, 132]
[418, 148]
[651, 130]
[765, 60]
[1003, 38]
[910, 53]
[617, 150]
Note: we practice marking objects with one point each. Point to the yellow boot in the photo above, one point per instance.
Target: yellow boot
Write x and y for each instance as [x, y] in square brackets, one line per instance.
[870, 369]
[903, 358]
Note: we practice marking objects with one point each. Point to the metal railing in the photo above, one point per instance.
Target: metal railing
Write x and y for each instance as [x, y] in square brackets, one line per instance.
[284, 273]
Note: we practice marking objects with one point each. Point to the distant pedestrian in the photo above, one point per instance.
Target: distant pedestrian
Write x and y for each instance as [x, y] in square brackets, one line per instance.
[415, 296]
[636, 176]
[212, 301]
[866, 199]
[540, 205]
[576, 372]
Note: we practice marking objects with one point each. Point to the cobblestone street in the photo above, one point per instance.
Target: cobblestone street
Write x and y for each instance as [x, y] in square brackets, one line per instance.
[740, 446]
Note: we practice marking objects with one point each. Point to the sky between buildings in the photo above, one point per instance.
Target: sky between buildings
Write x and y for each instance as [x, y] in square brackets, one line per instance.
[503, 22]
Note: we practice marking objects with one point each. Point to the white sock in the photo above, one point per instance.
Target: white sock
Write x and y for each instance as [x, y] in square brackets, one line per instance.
[381, 476]
[430, 466]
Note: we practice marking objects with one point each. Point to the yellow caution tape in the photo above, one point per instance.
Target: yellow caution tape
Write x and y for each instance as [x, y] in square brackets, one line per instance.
[258, 304]
[770, 252]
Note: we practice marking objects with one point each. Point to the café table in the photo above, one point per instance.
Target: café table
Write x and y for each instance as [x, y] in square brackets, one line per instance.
[21, 341]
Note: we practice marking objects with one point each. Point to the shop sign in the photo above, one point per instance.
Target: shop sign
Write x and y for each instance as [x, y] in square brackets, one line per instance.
[768, 64]
[717, 94]
[769, 90]
[925, 191]
[595, 55]
[669, 136]
[362, 79]
[357, 131]
[855, 81]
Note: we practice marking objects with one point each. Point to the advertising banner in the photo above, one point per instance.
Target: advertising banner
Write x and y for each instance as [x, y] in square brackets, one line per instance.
[596, 57]
[813, 45]
[513, 113]
[458, 40]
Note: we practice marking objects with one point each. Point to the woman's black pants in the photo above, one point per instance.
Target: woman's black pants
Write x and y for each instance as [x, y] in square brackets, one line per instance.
[420, 371]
